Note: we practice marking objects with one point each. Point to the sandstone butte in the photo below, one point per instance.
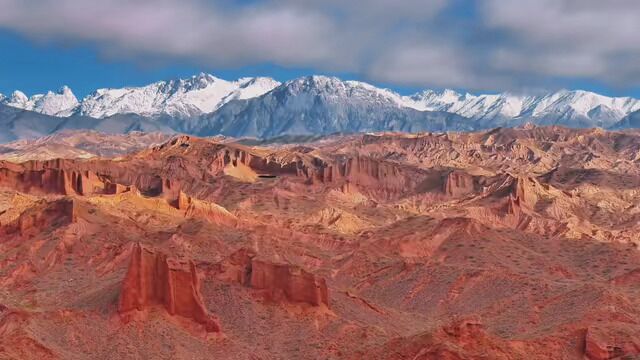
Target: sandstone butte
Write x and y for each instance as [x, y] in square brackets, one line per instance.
[503, 244]
[154, 279]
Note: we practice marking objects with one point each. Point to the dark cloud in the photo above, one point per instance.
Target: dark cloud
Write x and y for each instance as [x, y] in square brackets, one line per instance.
[503, 45]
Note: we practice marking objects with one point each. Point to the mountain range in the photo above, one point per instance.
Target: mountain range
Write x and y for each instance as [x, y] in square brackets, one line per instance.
[263, 107]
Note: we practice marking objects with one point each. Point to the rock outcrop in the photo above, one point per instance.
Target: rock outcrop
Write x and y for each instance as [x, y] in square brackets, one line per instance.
[236, 268]
[276, 282]
[612, 341]
[56, 212]
[384, 178]
[364, 172]
[525, 190]
[460, 340]
[205, 210]
[115, 189]
[458, 184]
[154, 279]
[239, 156]
[294, 283]
[55, 177]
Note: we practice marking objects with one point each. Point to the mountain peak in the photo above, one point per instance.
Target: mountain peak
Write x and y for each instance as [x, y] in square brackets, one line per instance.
[61, 103]
[315, 80]
[65, 90]
[205, 78]
[246, 81]
[180, 98]
[18, 97]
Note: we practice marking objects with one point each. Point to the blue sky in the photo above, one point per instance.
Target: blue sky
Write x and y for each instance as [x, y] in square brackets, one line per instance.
[39, 66]
[473, 45]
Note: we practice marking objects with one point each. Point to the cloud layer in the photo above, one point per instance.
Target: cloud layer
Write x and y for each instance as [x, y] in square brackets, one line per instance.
[474, 44]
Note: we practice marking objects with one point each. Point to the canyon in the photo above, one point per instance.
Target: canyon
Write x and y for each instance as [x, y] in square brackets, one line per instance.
[509, 243]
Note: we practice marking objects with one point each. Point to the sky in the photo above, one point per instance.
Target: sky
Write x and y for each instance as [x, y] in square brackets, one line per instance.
[521, 46]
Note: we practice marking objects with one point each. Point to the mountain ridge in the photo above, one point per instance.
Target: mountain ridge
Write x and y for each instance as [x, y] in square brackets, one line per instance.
[263, 107]
[468, 105]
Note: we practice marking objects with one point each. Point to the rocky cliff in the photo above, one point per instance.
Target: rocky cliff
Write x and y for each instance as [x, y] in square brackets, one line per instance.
[155, 279]
[295, 284]
[41, 216]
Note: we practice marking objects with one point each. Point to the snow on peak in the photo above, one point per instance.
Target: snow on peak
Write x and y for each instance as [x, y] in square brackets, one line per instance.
[66, 91]
[431, 100]
[264, 82]
[189, 98]
[315, 82]
[60, 103]
[563, 105]
[18, 99]
[349, 90]
[182, 98]
[450, 95]
[252, 87]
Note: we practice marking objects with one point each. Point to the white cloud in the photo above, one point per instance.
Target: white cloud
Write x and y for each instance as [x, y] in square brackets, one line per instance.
[568, 38]
[506, 44]
[189, 28]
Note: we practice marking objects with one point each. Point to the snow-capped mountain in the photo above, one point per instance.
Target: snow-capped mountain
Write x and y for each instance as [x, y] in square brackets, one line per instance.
[183, 98]
[570, 108]
[262, 107]
[324, 105]
[631, 121]
[61, 103]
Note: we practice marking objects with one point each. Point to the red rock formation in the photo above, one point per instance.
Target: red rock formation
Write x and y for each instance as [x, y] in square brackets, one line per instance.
[87, 183]
[276, 281]
[114, 189]
[464, 330]
[237, 268]
[383, 177]
[294, 283]
[513, 206]
[154, 279]
[525, 254]
[458, 184]
[234, 155]
[205, 210]
[524, 189]
[42, 216]
[39, 178]
[611, 341]
[460, 340]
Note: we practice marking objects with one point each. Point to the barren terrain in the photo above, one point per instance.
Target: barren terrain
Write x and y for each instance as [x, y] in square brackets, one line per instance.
[505, 244]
